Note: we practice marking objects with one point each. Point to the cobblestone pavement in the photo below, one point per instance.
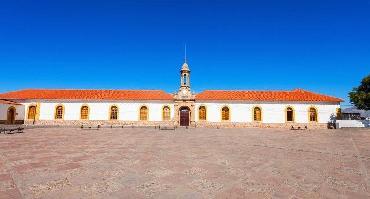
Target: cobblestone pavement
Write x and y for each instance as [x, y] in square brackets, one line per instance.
[186, 163]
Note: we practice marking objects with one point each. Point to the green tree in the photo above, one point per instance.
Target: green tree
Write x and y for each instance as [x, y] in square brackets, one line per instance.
[360, 96]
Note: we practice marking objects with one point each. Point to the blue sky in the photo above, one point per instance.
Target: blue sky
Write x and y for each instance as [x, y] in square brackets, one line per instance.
[322, 46]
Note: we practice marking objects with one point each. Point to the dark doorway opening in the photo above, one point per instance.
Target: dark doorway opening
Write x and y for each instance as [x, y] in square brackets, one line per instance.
[11, 115]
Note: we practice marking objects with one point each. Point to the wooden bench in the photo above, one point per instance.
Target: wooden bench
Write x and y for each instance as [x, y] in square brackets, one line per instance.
[298, 128]
[90, 127]
[167, 127]
[12, 130]
[117, 126]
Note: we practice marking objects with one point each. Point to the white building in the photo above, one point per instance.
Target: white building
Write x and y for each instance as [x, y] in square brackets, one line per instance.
[216, 108]
[11, 112]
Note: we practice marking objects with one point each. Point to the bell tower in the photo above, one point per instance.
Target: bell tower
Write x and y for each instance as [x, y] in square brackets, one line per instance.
[185, 91]
[185, 73]
[184, 98]
[185, 76]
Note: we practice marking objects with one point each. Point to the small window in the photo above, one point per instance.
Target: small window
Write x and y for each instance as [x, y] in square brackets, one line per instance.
[31, 112]
[257, 114]
[313, 115]
[202, 113]
[289, 114]
[166, 113]
[143, 113]
[84, 112]
[59, 112]
[225, 113]
[113, 113]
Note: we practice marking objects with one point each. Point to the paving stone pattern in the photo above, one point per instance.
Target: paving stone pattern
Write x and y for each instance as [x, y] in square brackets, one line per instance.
[186, 163]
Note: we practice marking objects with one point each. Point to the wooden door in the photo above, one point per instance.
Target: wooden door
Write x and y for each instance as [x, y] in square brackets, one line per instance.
[11, 115]
[184, 117]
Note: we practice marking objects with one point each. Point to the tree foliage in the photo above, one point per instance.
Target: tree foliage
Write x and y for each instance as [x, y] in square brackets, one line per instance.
[360, 96]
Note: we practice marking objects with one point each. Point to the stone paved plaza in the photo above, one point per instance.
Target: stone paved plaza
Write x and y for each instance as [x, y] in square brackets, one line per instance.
[186, 163]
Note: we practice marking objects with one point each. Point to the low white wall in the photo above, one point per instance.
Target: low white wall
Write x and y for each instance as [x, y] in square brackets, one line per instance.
[19, 109]
[352, 123]
[127, 111]
[271, 112]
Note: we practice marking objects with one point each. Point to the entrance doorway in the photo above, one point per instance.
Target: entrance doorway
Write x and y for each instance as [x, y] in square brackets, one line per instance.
[11, 115]
[184, 116]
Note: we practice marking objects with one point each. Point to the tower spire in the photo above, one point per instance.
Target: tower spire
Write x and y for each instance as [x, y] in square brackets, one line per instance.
[185, 66]
[185, 58]
[185, 91]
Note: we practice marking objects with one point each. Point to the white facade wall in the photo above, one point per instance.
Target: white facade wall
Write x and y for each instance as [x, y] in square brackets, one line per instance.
[271, 112]
[19, 109]
[127, 111]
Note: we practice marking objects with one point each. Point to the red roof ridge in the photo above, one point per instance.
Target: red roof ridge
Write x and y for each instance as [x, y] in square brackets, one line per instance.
[262, 90]
[88, 94]
[83, 89]
[301, 90]
[263, 95]
[240, 90]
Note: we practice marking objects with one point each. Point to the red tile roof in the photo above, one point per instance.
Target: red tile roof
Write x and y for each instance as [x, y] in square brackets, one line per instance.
[87, 94]
[294, 95]
[8, 102]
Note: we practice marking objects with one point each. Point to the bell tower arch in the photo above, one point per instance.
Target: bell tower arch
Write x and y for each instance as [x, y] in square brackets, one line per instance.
[185, 76]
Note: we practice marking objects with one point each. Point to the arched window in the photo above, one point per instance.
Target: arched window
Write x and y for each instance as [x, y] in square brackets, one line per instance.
[31, 112]
[166, 113]
[59, 111]
[289, 114]
[339, 114]
[143, 113]
[84, 112]
[225, 113]
[202, 113]
[257, 114]
[113, 113]
[312, 114]
[185, 82]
